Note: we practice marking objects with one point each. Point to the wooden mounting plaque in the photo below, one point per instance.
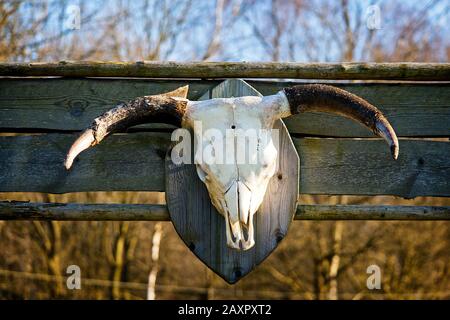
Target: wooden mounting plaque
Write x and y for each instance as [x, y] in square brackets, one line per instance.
[202, 228]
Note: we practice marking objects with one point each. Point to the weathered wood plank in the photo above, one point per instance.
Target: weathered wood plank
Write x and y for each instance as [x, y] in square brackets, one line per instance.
[293, 70]
[358, 166]
[125, 162]
[16, 210]
[414, 110]
[71, 104]
[366, 212]
[136, 162]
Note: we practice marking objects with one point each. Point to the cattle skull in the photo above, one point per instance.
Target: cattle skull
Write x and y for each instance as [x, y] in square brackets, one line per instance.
[236, 189]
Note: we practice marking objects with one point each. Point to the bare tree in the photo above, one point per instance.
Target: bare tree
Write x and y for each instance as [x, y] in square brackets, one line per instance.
[156, 242]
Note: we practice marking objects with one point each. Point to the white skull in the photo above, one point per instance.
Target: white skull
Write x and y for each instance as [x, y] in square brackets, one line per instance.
[238, 170]
[236, 136]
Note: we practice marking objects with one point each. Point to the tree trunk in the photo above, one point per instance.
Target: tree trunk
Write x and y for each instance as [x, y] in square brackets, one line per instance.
[335, 260]
[156, 241]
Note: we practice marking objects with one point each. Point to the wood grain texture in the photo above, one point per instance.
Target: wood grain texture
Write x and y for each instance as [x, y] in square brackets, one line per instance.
[123, 162]
[368, 212]
[293, 70]
[230, 89]
[201, 226]
[62, 104]
[135, 162]
[18, 210]
[359, 166]
[415, 110]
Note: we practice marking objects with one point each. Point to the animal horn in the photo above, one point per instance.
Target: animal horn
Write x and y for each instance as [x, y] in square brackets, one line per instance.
[324, 98]
[164, 108]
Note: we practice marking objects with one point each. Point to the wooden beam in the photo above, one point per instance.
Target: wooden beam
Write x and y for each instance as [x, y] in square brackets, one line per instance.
[292, 70]
[369, 212]
[415, 110]
[16, 210]
[72, 104]
[135, 162]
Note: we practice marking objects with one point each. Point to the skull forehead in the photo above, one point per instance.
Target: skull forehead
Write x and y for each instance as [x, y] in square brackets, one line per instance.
[243, 112]
[232, 124]
[247, 115]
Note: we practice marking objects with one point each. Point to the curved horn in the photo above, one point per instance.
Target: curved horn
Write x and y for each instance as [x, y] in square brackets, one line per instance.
[324, 98]
[165, 108]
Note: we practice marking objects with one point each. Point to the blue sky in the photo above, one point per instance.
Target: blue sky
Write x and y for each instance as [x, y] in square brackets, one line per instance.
[239, 41]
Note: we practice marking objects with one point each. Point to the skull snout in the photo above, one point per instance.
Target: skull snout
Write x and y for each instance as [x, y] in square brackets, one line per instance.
[239, 216]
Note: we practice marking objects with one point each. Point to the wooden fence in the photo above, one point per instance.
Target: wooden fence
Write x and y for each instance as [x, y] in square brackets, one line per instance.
[45, 105]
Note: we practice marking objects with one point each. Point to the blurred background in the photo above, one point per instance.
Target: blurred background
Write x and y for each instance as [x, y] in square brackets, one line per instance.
[140, 260]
